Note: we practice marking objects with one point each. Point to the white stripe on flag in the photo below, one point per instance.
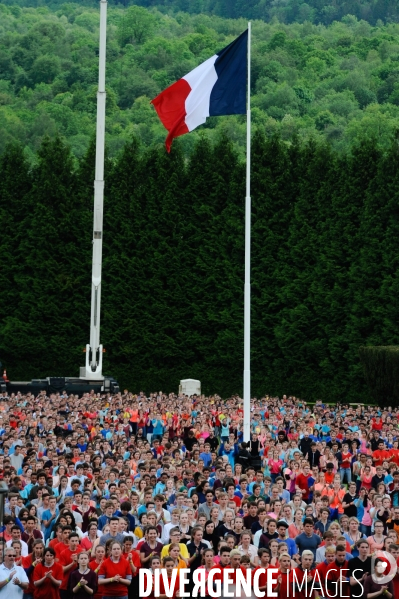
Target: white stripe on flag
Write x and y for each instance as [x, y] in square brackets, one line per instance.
[201, 80]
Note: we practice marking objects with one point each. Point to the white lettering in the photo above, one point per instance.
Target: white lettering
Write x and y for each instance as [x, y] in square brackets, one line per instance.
[199, 583]
[257, 591]
[271, 581]
[145, 582]
[169, 583]
[183, 581]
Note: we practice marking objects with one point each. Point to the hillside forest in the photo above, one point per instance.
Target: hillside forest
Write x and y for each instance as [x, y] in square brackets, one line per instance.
[316, 79]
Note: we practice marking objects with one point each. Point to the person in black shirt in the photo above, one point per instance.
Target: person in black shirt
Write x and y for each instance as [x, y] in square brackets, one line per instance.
[262, 514]
[268, 534]
[375, 441]
[350, 509]
[305, 444]
[189, 439]
[358, 570]
[213, 441]
[313, 456]
[243, 457]
[195, 548]
[333, 440]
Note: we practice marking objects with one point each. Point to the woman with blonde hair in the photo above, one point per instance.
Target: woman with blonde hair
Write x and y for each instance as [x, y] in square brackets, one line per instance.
[174, 552]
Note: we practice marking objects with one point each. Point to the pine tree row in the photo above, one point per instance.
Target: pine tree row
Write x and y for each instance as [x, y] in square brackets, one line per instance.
[325, 255]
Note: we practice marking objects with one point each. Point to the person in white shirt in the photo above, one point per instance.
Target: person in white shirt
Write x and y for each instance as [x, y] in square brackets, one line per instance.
[163, 515]
[13, 579]
[17, 458]
[245, 548]
[174, 522]
[23, 547]
[16, 536]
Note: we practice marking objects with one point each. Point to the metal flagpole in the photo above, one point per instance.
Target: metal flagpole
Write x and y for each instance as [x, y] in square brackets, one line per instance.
[94, 350]
[247, 282]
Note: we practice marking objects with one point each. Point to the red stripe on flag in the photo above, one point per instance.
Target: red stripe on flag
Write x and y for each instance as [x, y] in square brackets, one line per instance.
[171, 108]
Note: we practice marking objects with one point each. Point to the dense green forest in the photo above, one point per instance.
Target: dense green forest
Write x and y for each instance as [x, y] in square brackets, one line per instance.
[286, 11]
[325, 264]
[308, 80]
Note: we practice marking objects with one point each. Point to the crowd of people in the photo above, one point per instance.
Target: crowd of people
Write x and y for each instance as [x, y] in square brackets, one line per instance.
[102, 486]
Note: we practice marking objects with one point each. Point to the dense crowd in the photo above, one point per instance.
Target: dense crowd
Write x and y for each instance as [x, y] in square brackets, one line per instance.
[102, 486]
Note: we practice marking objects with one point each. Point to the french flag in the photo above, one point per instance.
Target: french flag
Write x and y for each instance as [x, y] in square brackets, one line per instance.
[216, 87]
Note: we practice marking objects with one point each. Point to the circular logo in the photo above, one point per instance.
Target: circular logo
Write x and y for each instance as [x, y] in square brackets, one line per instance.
[386, 566]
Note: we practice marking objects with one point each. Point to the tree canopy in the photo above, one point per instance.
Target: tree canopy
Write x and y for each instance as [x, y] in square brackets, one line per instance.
[308, 80]
[286, 11]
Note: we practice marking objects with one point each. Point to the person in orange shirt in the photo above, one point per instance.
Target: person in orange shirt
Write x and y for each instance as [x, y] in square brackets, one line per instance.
[329, 474]
[336, 495]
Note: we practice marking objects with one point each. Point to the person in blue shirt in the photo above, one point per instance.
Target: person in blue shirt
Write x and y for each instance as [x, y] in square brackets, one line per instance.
[49, 517]
[81, 444]
[159, 428]
[206, 455]
[227, 450]
[161, 484]
[282, 534]
[105, 432]
[124, 512]
[108, 513]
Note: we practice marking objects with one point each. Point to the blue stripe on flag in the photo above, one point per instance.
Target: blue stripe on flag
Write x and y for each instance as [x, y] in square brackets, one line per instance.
[229, 94]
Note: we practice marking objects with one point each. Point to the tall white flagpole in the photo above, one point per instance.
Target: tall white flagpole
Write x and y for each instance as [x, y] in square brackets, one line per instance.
[247, 281]
[94, 350]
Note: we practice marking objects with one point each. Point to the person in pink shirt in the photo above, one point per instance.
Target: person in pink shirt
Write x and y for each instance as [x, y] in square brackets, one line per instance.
[376, 541]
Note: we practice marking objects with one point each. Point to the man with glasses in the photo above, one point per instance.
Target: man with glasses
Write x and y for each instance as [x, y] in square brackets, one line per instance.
[175, 536]
[13, 579]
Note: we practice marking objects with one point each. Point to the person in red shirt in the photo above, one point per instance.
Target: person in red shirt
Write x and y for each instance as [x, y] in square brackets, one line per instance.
[264, 563]
[380, 454]
[345, 462]
[47, 577]
[60, 546]
[58, 537]
[282, 588]
[115, 574]
[301, 578]
[302, 482]
[30, 562]
[230, 489]
[376, 424]
[95, 565]
[235, 564]
[69, 562]
[323, 569]
[208, 558]
[338, 571]
[169, 564]
[133, 557]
